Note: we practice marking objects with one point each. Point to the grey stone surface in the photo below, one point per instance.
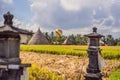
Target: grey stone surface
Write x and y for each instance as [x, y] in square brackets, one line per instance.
[10, 62]
[9, 47]
[93, 71]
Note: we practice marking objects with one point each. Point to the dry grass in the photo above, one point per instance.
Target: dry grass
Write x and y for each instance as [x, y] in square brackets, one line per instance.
[65, 65]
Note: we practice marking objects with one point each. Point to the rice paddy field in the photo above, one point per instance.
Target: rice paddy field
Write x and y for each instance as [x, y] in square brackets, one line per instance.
[107, 52]
[61, 62]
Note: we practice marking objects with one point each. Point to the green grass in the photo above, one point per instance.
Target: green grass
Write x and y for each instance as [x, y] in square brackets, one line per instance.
[108, 52]
[56, 49]
[115, 75]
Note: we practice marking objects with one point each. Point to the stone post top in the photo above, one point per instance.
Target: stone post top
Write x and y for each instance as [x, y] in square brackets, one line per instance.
[8, 18]
[95, 29]
[94, 34]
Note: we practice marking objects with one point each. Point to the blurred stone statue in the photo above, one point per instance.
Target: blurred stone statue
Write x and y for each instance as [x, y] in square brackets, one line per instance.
[8, 19]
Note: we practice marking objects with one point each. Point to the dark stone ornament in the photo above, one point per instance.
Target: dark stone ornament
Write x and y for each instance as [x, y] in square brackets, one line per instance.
[8, 19]
[93, 71]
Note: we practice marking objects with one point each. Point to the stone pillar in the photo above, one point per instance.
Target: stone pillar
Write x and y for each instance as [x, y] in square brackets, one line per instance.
[93, 71]
[11, 67]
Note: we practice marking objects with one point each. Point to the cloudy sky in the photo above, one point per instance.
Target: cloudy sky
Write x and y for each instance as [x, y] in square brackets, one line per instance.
[72, 16]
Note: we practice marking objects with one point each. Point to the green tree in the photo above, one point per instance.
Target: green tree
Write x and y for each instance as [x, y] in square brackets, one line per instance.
[61, 39]
[48, 37]
[118, 43]
[110, 40]
[84, 40]
[78, 39]
[72, 38]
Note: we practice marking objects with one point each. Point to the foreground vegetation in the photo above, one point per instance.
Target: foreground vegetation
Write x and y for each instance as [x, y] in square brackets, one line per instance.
[38, 73]
[66, 66]
[115, 75]
[108, 52]
[56, 49]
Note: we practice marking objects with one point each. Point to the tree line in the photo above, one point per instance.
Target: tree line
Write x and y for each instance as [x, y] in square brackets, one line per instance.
[110, 41]
[79, 39]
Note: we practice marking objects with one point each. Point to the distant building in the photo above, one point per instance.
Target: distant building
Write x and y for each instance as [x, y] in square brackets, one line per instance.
[68, 41]
[38, 38]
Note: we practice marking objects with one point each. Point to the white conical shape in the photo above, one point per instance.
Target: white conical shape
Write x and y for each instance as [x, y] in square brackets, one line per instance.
[38, 38]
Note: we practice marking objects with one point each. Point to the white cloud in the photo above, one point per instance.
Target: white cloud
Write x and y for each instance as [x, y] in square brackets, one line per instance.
[115, 30]
[82, 31]
[38, 5]
[8, 1]
[76, 5]
[94, 12]
[109, 18]
[45, 8]
[103, 21]
[100, 7]
[22, 24]
[28, 26]
[73, 16]
[107, 28]
[71, 4]
[42, 10]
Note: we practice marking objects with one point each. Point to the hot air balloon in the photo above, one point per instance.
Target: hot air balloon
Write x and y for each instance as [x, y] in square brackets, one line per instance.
[58, 32]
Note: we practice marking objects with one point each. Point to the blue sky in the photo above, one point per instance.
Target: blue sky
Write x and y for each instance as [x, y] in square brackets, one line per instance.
[22, 10]
[72, 16]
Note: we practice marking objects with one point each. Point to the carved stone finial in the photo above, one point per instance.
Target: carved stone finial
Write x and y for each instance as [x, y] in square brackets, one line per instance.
[8, 19]
[95, 29]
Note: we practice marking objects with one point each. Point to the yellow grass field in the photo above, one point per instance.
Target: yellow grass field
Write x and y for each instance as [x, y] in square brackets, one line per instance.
[66, 66]
[66, 61]
[108, 52]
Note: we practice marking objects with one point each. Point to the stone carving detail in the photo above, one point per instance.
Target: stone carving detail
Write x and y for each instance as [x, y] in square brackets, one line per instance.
[8, 18]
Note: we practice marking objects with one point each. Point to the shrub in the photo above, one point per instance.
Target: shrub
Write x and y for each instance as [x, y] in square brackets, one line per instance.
[38, 73]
